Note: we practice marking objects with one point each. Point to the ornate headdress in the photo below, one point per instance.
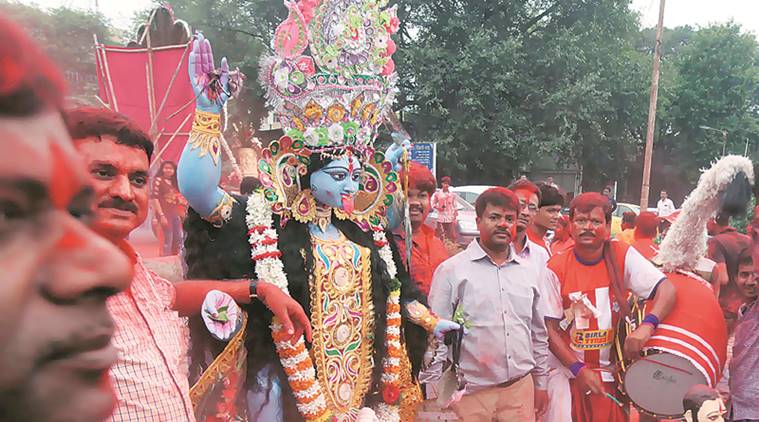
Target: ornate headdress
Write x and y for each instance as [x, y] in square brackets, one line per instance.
[331, 101]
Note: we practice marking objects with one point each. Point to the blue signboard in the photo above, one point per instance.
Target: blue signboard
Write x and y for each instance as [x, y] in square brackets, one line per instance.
[425, 153]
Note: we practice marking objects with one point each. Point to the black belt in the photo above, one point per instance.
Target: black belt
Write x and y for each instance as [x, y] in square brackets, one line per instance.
[512, 381]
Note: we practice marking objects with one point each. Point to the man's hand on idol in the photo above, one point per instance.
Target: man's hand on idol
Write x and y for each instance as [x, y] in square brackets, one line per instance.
[636, 340]
[590, 381]
[287, 309]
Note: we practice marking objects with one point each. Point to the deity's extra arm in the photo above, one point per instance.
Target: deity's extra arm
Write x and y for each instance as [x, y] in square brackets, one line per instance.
[199, 169]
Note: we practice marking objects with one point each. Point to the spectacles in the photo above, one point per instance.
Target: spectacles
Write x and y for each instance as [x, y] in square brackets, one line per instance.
[526, 206]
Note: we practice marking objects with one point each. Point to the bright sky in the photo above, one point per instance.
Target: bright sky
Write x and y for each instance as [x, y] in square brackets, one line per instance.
[678, 12]
[700, 12]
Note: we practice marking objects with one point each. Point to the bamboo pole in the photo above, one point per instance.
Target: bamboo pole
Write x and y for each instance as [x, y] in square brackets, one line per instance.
[644, 190]
[171, 84]
[157, 157]
[114, 103]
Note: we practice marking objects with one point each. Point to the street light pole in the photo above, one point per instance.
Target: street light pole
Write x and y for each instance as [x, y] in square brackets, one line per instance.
[724, 137]
[652, 112]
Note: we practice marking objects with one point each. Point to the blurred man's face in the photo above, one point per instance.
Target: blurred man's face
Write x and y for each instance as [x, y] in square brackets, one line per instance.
[747, 280]
[119, 174]
[445, 186]
[418, 206]
[56, 275]
[663, 195]
[590, 229]
[548, 217]
[528, 202]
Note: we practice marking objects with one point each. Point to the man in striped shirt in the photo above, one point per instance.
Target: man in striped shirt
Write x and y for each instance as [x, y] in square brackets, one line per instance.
[151, 376]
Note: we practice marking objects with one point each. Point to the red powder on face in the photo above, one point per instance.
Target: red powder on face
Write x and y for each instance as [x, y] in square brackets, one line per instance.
[70, 240]
[63, 186]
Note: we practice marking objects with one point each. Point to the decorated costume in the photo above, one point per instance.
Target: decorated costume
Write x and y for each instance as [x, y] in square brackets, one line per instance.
[316, 228]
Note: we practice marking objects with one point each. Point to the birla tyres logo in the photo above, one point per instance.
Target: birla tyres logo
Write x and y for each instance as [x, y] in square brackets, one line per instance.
[592, 339]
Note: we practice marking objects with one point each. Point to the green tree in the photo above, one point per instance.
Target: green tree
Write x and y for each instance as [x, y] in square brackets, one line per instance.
[66, 36]
[716, 86]
[500, 83]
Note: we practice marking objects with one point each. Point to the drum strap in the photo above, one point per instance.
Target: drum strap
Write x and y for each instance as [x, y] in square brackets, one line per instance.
[616, 280]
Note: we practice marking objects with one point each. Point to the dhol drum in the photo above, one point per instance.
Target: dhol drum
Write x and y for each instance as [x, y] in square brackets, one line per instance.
[689, 347]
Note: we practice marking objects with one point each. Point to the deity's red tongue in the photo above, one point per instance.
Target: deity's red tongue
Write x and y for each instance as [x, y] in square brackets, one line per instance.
[347, 203]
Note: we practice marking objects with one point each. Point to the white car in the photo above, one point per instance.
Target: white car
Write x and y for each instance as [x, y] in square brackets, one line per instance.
[470, 193]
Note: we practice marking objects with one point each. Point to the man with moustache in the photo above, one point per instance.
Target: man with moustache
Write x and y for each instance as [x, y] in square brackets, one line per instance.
[503, 352]
[547, 218]
[56, 272]
[427, 250]
[151, 376]
[584, 303]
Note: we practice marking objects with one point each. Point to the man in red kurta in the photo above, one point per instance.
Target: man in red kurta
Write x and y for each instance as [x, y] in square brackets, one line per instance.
[427, 250]
[582, 309]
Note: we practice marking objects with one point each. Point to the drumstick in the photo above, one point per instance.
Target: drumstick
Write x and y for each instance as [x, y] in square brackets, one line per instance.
[666, 366]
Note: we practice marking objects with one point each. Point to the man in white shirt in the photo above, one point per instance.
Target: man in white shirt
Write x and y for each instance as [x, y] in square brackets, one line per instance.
[665, 206]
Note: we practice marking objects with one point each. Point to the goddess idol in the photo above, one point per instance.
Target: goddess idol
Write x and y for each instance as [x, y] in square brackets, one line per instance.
[316, 229]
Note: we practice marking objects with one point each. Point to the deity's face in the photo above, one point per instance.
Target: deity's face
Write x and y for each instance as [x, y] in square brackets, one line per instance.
[119, 174]
[56, 276]
[336, 183]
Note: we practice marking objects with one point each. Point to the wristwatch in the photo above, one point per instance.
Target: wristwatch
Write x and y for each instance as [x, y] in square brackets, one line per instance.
[252, 289]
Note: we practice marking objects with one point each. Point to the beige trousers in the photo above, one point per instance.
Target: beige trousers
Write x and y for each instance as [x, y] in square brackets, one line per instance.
[515, 403]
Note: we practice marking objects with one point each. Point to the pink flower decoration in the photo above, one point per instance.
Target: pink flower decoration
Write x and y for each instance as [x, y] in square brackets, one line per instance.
[391, 47]
[389, 68]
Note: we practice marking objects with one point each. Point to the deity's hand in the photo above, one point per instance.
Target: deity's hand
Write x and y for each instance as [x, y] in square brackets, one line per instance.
[209, 96]
[284, 307]
[636, 340]
[394, 152]
[444, 326]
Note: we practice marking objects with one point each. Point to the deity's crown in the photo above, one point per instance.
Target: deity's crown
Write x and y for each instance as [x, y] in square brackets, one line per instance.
[335, 97]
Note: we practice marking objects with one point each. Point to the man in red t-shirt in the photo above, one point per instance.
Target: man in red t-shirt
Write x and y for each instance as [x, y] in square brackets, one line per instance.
[724, 248]
[646, 225]
[427, 250]
[582, 309]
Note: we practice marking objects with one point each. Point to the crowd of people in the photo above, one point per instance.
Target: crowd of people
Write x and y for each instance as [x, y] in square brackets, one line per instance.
[307, 298]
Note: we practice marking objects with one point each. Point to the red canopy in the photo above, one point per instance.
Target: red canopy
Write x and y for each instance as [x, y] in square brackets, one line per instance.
[151, 87]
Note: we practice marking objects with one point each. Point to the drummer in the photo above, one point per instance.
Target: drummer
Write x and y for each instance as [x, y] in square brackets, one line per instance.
[582, 309]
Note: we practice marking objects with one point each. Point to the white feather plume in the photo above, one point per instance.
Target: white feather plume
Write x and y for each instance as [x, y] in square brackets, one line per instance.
[685, 242]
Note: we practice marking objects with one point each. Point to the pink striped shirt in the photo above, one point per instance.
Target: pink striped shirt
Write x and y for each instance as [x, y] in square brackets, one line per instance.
[150, 378]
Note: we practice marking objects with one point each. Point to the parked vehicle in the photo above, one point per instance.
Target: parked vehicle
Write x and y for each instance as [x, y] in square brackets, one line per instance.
[616, 216]
[470, 193]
